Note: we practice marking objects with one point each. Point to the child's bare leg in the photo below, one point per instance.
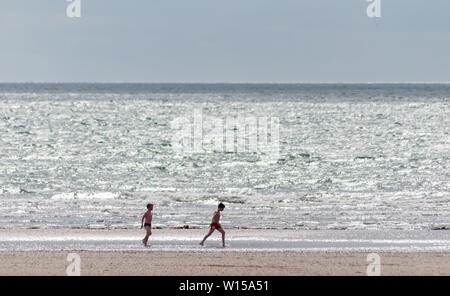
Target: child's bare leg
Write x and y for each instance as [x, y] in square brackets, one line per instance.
[223, 236]
[206, 236]
[149, 232]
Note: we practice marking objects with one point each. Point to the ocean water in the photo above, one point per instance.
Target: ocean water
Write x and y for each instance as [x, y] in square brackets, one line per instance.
[350, 157]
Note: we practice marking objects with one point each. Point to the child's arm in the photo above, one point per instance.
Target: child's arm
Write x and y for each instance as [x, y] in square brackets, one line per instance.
[142, 221]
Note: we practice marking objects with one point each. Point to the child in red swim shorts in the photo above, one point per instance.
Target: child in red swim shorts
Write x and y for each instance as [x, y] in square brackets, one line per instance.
[215, 225]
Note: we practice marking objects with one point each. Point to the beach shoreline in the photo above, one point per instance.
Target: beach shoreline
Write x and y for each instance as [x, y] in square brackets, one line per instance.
[248, 253]
[237, 240]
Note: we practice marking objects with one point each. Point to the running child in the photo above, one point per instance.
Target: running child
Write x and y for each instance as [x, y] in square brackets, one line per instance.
[215, 225]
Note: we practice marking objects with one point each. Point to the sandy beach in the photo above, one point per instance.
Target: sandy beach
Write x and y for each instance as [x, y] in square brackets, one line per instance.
[131, 263]
[249, 252]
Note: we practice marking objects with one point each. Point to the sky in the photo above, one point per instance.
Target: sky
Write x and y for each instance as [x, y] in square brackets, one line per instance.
[292, 41]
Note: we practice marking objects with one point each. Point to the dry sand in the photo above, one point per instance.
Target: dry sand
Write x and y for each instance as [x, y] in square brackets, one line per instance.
[223, 263]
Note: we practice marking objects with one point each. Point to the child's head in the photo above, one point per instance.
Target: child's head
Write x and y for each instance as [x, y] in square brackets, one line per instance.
[221, 206]
[149, 206]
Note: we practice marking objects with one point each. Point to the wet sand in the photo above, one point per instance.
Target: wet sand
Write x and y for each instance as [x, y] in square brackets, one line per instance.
[249, 252]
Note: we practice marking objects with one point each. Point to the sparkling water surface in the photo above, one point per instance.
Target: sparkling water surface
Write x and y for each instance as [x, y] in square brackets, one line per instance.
[249, 240]
[351, 156]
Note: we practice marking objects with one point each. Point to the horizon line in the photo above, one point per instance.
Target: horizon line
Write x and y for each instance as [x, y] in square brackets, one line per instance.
[220, 82]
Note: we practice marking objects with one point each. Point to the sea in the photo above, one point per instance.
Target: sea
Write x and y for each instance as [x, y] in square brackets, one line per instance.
[341, 157]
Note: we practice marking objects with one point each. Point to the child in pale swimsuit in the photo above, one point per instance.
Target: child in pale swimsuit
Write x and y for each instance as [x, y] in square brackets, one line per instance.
[215, 225]
[148, 223]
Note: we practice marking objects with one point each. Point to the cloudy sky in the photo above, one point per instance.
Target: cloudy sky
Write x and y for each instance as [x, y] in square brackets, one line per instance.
[225, 41]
